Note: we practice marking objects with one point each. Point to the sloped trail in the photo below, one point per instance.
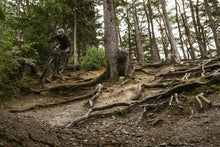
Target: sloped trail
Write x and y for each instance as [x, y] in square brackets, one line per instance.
[143, 100]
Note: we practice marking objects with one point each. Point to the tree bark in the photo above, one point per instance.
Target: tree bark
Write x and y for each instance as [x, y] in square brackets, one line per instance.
[187, 31]
[118, 63]
[180, 34]
[149, 30]
[129, 33]
[138, 36]
[18, 14]
[201, 48]
[200, 28]
[175, 54]
[212, 25]
[156, 55]
[75, 54]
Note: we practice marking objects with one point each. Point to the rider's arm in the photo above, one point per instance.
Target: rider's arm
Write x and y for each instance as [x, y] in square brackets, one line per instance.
[52, 37]
[69, 45]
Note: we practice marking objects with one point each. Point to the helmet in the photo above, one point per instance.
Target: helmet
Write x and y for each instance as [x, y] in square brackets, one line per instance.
[60, 31]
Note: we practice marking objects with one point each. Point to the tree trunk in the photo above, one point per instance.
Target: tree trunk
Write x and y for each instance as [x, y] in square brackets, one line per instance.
[202, 51]
[118, 62]
[165, 42]
[149, 30]
[186, 25]
[180, 34]
[138, 36]
[129, 33]
[175, 54]
[201, 48]
[156, 55]
[200, 28]
[18, 14]
[212, 25]
[75, 54]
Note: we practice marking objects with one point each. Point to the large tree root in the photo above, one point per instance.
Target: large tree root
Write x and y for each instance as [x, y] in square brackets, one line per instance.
[57, 103]
[102, 77]
[163, 95]
[201, 69]
[94, 97]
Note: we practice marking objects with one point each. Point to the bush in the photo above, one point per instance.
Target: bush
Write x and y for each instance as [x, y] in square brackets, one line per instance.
[11, 79]
[94, 59]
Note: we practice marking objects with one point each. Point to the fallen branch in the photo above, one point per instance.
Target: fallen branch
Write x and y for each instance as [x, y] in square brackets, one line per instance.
[94, 97]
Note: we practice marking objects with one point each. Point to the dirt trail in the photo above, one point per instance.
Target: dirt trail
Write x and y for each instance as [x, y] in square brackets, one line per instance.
[184, 125]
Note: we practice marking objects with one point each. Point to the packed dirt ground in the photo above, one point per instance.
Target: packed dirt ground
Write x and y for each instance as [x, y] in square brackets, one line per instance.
[158, 105]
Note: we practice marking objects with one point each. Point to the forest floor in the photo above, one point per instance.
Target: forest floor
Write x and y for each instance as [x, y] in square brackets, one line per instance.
[136, 111]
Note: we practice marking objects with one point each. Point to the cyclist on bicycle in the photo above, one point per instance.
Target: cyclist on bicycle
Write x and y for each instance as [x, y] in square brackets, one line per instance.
[64, 41]
[64, 44]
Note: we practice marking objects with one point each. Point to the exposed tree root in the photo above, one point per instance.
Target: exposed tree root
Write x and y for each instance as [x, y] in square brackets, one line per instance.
[150, 106]
[140, 89]
[57, 103]
[163, 95]
[195, 69]
[94, 97]
[102, 77]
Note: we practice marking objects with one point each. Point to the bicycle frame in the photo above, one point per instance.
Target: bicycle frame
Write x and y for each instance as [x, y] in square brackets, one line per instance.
[58, 59]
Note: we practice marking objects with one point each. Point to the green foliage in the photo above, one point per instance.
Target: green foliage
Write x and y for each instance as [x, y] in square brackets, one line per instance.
[93, 60]
[11, 79]
[2, 15]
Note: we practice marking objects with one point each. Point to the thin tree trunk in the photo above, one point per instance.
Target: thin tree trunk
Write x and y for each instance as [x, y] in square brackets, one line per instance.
[166, 32]
[192, 53]
[201, 48]
[164, 40]
[138, 36]
[119, 35]
[75, 54]
[18, 14]
[27, 6]
[175, 54]
[156, 57]
[200, 28]
[212, 25]
[180, 33]
[149, 30]
[129, 34]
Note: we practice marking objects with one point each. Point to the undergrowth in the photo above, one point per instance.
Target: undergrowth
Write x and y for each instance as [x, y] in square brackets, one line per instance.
[94, 59]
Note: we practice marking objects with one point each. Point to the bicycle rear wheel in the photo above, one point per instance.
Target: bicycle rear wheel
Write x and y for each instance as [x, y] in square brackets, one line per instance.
[48, 65]
[63, 60]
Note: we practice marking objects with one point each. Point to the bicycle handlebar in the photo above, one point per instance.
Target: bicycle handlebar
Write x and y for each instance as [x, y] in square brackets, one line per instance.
[63, 51]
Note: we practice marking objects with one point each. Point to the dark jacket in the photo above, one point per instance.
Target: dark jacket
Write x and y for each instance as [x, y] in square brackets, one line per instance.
[64, 41]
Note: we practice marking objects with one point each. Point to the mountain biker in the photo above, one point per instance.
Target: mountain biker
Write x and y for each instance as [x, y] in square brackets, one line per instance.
[64, 44]
[64, 41]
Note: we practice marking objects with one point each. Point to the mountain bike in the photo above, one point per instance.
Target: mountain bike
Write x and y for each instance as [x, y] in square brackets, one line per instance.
[56, 62]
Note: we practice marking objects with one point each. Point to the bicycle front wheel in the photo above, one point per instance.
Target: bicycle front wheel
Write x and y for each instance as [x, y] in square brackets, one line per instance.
[48, 65]
[63, 60]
